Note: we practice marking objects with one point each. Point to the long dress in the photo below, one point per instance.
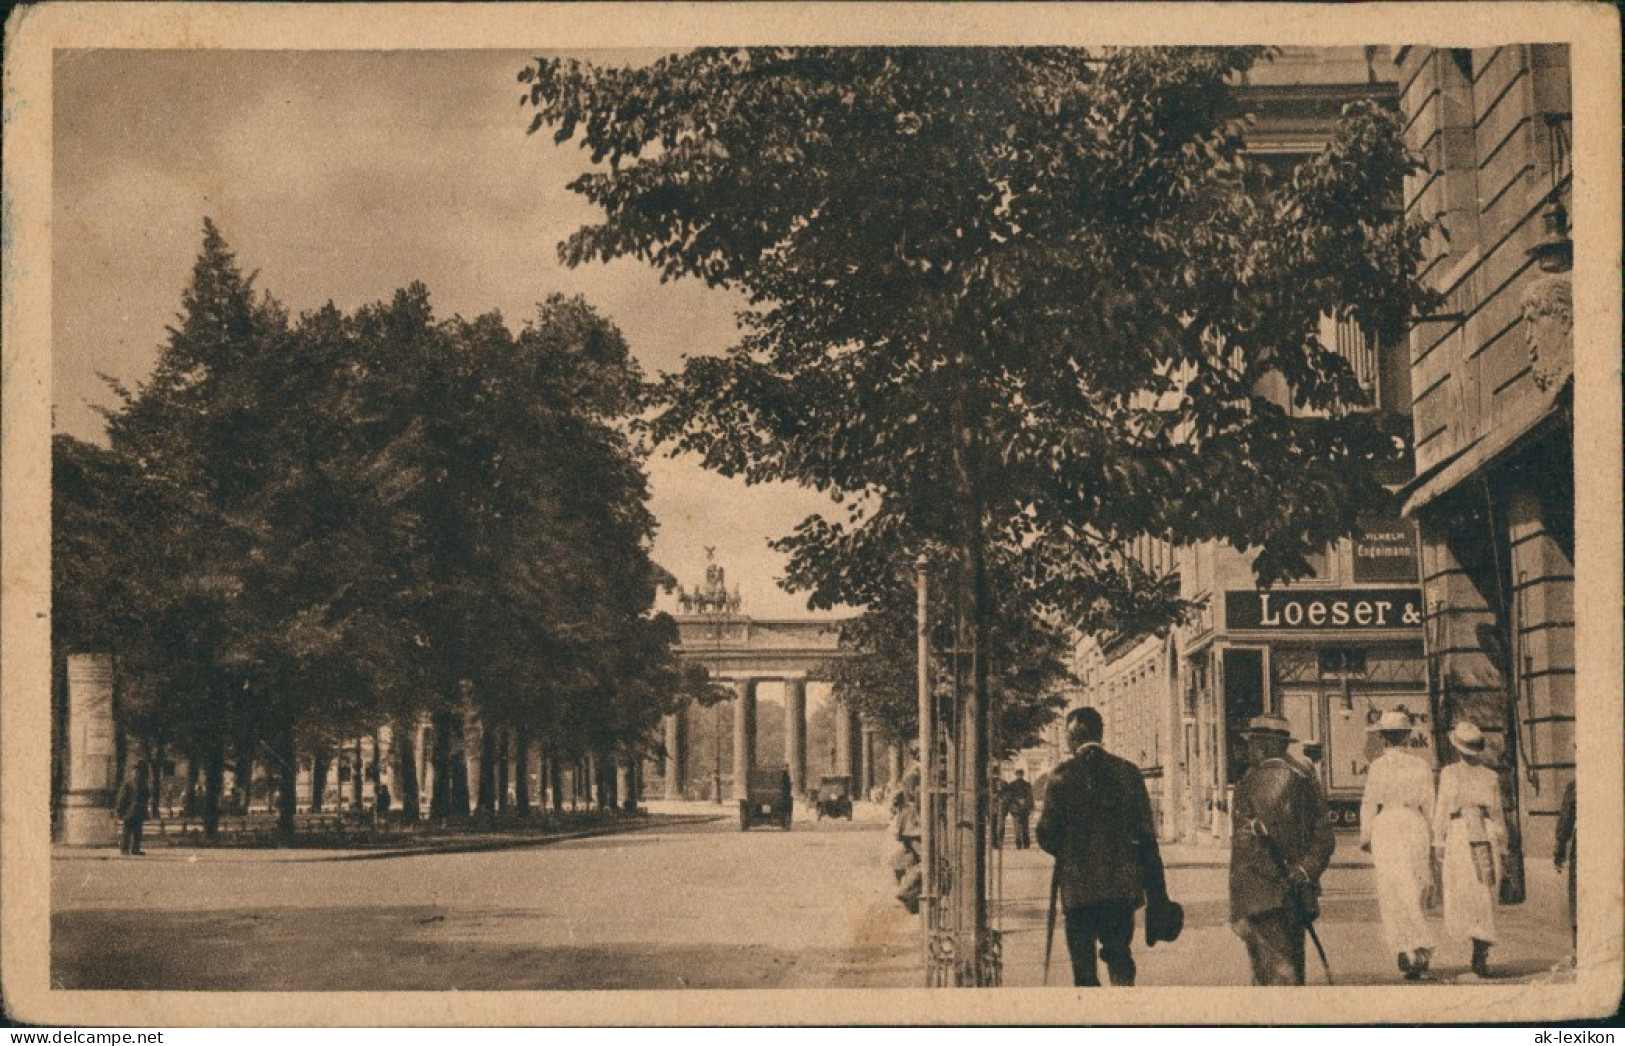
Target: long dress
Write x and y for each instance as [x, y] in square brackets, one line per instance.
[1468, 811]
[1394, 817]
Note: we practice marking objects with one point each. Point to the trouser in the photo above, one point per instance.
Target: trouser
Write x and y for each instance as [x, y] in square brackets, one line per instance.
[1110, 925]
[1275, 942]
[1023, 839]
[130, 838]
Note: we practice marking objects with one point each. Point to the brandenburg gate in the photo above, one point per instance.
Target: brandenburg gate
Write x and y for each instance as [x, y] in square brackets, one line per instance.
[748, 651]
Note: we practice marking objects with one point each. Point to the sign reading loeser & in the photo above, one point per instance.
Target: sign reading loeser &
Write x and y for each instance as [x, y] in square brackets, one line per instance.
[1326, 610]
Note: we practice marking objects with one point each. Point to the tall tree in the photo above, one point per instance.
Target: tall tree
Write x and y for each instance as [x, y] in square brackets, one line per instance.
[1004, 300]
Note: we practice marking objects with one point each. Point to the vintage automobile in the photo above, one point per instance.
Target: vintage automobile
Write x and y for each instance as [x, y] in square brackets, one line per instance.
[833, 797]
[767, 799]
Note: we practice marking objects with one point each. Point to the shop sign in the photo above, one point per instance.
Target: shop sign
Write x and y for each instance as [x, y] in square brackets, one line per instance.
[1385, 550]
[1324, 610]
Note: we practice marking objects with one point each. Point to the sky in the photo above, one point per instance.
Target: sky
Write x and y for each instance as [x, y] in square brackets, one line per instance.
[343, 175]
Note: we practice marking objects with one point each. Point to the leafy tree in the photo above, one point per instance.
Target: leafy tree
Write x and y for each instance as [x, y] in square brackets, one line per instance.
[1015, 303]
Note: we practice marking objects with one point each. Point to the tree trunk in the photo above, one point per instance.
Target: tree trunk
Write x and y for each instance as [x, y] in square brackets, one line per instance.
[320, 763]
[458, 792]
[486, 803]
[244, 772]
[521, 769]
[155, 768]
[287, 797]
[194, 769]
[407, 773]
[440, 802]
[355, 776]
[555, 781]
[214, 782]
[504, 769]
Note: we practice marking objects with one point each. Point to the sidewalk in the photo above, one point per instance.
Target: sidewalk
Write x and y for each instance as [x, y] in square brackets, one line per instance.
[473, 840]
[1533, 940]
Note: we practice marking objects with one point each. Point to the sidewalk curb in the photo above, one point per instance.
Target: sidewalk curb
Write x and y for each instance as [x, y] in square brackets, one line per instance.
[94, 854]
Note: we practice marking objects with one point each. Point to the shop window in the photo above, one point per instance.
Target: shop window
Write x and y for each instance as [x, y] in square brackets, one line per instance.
[1243, 699]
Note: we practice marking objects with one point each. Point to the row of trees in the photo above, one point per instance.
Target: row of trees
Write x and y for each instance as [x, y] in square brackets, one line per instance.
[306, 527]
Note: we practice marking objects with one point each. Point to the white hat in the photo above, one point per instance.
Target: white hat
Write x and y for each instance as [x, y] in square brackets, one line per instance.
[1393, 721]
[1467, 738]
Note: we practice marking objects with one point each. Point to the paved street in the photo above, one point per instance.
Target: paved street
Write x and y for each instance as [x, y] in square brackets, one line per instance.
[698, 906]
[694, 905]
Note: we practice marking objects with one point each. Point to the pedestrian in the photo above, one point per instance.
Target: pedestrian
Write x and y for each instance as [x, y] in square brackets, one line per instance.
[997, 805]
[1018, 799]
[130, 807]
[1469, 827]
[1395, 818]
[907, 861]
[1281, 842]
[1566, 849]
[381, 803]
[1097, 824]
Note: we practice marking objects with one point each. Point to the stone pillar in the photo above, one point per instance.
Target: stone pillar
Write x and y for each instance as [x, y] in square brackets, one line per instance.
[894, 767]
[795, 733]
[623, 785]
[87, 798]
[848, 747]
[676, 772]
[1543, 616]
[868, 753]
[744, 734]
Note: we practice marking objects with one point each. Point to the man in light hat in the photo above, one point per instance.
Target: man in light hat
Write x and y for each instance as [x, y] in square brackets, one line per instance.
[1395, 814]
[1280, 845]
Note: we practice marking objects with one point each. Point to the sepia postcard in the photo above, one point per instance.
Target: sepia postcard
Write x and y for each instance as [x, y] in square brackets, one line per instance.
[626, 514]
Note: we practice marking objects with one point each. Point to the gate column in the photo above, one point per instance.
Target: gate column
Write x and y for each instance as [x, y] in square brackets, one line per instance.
[795, 733]
[744, 734]
[676, 771]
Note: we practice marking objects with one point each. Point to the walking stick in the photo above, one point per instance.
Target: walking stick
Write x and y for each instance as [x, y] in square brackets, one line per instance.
[1049, 927]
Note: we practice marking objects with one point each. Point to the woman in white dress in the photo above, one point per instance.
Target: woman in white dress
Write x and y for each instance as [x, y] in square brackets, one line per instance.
[1394, 826]
[1470, 828]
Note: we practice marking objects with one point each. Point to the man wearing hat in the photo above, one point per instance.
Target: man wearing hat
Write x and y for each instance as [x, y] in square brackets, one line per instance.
[1097, 823]
[1281, 843]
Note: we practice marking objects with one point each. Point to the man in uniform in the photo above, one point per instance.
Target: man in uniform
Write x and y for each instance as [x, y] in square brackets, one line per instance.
[1018, 799]
[1097, 824]
[1280, 845]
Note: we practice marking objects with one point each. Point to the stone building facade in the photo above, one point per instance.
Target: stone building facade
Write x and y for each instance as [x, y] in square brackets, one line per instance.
[1493, 407]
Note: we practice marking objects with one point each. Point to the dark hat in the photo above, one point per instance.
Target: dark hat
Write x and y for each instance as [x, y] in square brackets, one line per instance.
[1164, 920]
[1268, 726]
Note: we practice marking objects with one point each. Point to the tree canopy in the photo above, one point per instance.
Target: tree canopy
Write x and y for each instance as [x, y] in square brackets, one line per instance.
[306, 527]
[1024, 293]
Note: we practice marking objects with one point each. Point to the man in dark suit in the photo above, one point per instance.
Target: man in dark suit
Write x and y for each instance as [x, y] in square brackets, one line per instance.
[1281, 842]
[1018, 799]
[130, 807]
[1097, 824]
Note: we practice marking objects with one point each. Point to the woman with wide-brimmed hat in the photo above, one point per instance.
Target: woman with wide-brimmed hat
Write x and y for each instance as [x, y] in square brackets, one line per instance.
[1395, 813]
[1470, 828]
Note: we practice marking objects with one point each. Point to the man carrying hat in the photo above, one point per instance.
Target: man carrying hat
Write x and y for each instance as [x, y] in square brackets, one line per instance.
[1097, 823]
[1280, 845]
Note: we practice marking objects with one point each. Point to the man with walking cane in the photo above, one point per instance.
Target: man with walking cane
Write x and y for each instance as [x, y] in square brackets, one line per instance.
[1097, 824]
[1280, 845]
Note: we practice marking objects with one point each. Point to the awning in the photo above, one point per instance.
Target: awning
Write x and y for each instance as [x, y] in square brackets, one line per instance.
[1484, 451]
